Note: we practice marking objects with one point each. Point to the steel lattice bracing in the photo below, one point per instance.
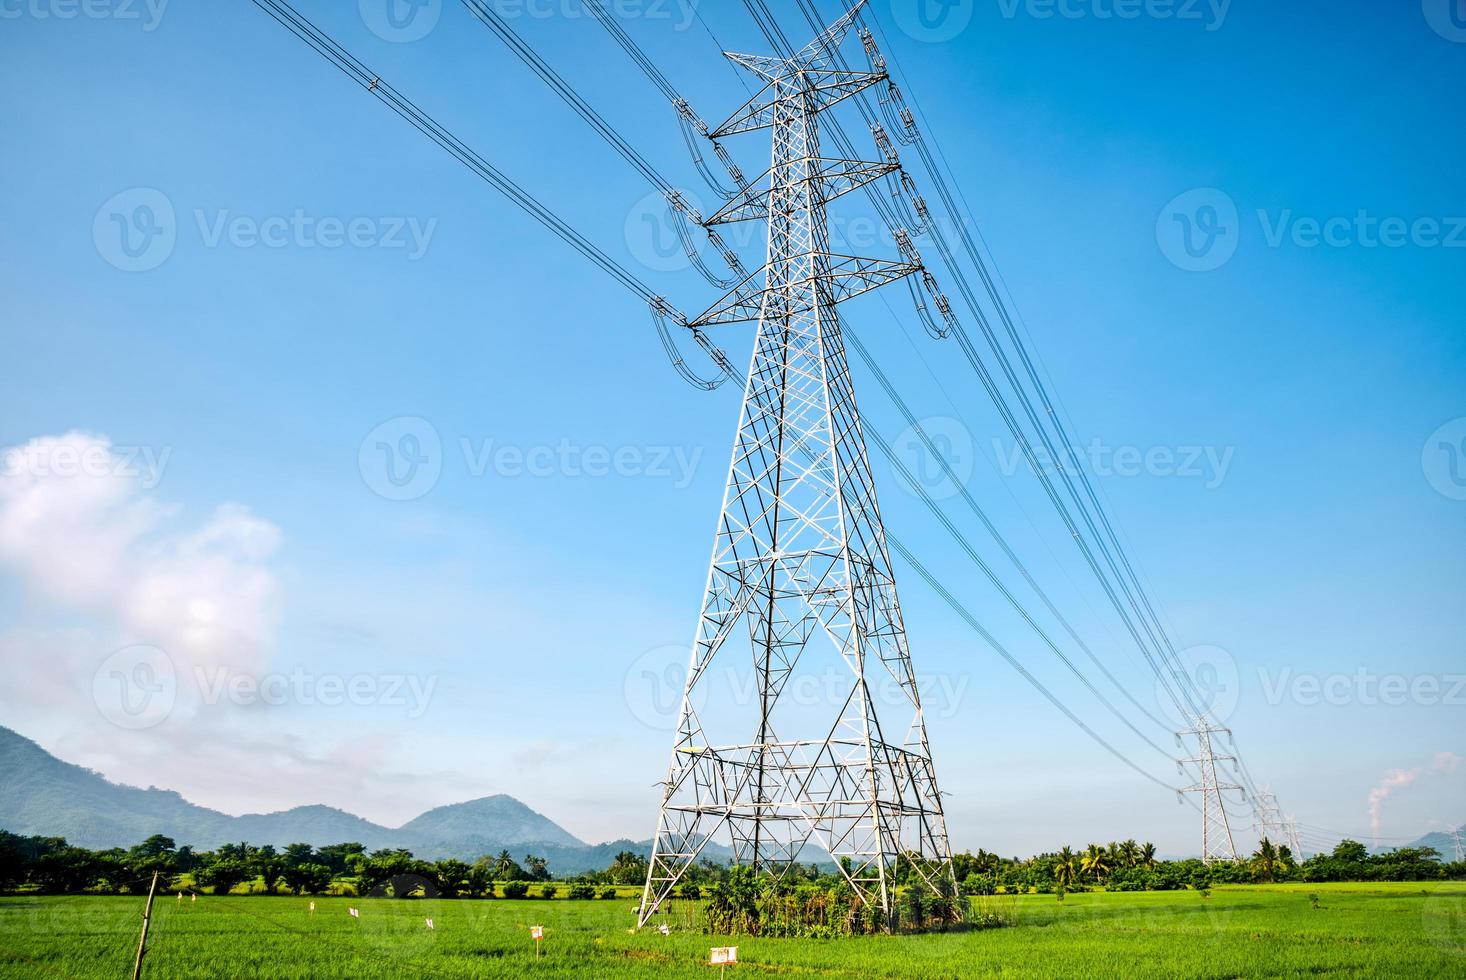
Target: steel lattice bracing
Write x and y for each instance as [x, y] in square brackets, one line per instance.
[801, 577]
[1216, 829]
[1268, 819]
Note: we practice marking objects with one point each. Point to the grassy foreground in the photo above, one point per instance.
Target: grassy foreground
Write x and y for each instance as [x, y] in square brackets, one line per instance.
[1395, 930]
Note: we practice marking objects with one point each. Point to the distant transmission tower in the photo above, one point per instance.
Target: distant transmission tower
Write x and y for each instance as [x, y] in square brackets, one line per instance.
[1216, 831]
[1456, 839]
[1294, 844]
[800, 563]
[1268, 818]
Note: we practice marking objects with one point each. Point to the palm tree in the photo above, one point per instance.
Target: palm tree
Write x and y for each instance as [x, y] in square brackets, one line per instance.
[1129, 854]
[1147, 855]
[1266, 859]
[1095, 862]
[1064, 868]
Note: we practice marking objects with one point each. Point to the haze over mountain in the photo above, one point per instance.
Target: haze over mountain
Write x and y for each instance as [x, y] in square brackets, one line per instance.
[42, 795]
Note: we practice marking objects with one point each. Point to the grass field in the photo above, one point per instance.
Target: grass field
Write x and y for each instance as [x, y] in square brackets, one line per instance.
[1394, 930]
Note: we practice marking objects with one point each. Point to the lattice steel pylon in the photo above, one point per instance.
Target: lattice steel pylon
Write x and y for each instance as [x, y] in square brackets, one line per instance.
[1268, 819]
[800, 564]
[1294, 844]
[1216, 831]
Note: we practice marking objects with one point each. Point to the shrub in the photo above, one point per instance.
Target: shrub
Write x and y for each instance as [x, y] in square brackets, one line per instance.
[581, 890]
[548, 891]
[516, 889]
[608, 892]
[691, 891]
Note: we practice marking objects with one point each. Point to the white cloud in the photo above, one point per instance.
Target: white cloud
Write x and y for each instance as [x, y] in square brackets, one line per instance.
[105, 565]
[79, 531]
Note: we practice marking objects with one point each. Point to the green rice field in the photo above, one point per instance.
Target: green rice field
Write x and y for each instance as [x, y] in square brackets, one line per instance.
[1373, 930]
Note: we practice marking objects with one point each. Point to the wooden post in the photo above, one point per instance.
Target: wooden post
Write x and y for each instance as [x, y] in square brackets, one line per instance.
[142, 941]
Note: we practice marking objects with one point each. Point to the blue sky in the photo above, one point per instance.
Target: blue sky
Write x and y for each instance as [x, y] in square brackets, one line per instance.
[526, 605]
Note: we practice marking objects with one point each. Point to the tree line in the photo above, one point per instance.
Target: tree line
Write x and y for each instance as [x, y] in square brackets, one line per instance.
[1129, 866]
[51, 865]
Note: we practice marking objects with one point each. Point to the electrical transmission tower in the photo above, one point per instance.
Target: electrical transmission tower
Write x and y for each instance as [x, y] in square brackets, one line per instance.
[800, 565]
[1268, 818]
[1294, 844]
[1216, 831]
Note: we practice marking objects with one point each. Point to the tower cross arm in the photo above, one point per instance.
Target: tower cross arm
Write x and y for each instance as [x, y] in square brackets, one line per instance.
[845, 276]
[835, 177]
[822, 88]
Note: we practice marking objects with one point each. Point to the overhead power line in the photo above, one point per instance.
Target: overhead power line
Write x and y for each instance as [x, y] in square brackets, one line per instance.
[354, 69]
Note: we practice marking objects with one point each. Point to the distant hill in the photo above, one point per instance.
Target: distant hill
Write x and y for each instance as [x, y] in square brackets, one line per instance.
[1443, 842]
[40, 794]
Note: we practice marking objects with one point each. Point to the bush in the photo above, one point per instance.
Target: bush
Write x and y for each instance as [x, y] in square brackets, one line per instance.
[608, 893]
[516, 889]
[691, 891]
[548, 891]
[581, 891]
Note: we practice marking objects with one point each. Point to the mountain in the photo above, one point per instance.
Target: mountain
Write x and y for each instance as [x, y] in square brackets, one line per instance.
[42, 795]
[1444, 842]
[511, 820]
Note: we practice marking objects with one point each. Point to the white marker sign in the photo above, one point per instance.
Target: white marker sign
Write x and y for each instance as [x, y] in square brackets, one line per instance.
[723, 955]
